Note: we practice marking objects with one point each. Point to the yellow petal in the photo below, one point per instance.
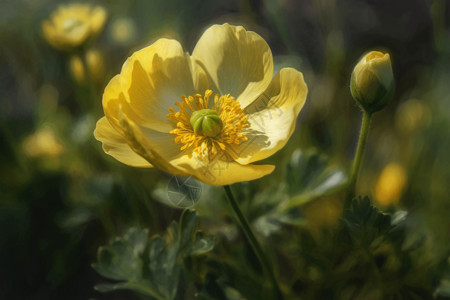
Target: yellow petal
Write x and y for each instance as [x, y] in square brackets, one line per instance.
[97, 19]
[158, 150]
[272, 117]
[116, 145]
[239, 62]
[155, 77]
[219, 172]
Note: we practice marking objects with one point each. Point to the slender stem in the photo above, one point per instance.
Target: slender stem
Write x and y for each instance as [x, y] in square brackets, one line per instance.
[265, 263]
[365, 125]
[94, 102]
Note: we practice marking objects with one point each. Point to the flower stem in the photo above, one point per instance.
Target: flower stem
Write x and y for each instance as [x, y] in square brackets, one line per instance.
[94, 103]
[265, 263]
[365, 125]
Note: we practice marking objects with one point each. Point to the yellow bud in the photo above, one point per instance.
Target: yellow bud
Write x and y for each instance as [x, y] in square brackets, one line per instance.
[95, 64]
[372, 81]
[390, 184]
[77, 69]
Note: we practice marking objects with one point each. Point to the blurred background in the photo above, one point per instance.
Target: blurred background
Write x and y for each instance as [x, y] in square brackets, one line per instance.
[61, 196]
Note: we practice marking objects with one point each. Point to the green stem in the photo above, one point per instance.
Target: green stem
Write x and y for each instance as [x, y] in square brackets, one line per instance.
[94, 101]
[365, 125]
[264, 261]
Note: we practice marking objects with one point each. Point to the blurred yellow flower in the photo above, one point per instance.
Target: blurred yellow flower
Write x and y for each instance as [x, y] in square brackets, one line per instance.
[411, 116]
[123, 30]
[77, 68]
[390, 184]
[235, 111]
[94, 63]
[72, 25]
[42, 143]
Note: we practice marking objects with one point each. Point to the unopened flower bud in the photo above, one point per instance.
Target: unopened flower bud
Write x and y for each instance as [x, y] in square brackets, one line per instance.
[77, 69]
[206, 122]
[95, 64]
[372, 81]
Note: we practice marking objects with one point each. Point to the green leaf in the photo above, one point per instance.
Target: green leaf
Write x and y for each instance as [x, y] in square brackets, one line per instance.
[444, 289]
[309, 176]
[202, 244]
[122, 259]
[188, 223]
[270, 207]
[366, 224]
[164, 265]
[272, 222]
[152, 267]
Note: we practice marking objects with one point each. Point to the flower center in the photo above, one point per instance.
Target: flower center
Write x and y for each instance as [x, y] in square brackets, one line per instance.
[206, 122]
[208, 127]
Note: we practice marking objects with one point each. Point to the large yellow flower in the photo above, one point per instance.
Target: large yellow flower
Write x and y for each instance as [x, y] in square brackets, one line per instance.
[72, 25]
[210, 114]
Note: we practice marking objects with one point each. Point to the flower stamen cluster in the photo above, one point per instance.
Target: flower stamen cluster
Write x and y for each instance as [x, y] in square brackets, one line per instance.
[234, 121]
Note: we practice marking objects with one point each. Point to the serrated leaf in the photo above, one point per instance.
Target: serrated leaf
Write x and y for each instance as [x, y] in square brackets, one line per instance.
[164, 266]
[122, 259]
[365, 223]
[309, 176]
[152, 267]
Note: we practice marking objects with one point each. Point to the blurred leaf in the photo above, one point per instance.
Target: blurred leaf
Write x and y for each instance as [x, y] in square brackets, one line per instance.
[308, 176]
[271, 222]
[164, 265]
[179, 192]
[201, 244]
[152, 267]
[444, 289]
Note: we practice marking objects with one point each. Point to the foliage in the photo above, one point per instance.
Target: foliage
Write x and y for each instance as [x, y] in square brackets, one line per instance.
[152, 267]
[62, 199]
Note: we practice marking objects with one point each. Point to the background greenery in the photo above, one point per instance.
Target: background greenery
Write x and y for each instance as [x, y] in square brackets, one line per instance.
[60, 203]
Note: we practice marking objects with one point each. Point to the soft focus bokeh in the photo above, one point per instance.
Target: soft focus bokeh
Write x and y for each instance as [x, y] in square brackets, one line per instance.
[62, 197]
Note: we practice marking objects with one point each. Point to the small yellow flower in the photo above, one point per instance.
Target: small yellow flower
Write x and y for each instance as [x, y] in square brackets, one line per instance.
[123, 31]
[42, 143]
[390, 184]
[232, 111]
[372, 81]
[77, 69]
[94, 63]
[72, 25]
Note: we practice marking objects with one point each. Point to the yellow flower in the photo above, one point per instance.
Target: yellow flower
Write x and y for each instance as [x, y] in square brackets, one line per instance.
[372, 81]
[123, 31]
[42, 143]
[77, 69]
[390, 184]
[94, 63]
[232, 112]
[72, 25]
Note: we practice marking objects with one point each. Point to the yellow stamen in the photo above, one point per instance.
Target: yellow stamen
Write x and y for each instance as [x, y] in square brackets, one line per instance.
[204, 147]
